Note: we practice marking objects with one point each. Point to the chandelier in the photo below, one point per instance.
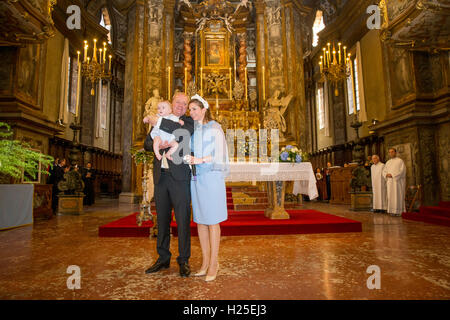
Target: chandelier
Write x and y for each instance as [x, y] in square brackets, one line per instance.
[95, 69]
[334, 69]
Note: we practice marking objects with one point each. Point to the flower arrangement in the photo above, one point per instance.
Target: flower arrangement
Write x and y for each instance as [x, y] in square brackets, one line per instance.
[141, 156]
[292, 154]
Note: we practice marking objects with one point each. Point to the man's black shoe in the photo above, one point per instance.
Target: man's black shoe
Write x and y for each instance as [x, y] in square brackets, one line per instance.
[185, 270]
[157, 266]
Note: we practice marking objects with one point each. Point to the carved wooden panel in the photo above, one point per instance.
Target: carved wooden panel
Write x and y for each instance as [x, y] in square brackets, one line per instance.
[340, 185]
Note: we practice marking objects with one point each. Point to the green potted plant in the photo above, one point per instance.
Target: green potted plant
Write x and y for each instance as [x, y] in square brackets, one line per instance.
[18, 162]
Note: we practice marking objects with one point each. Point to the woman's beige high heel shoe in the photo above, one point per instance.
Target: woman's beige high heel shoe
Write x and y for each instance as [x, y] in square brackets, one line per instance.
[201, 273]
[212, 278]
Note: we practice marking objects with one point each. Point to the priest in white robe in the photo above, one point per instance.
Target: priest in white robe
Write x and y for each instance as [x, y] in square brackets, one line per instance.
[378, 185]
[395, 174]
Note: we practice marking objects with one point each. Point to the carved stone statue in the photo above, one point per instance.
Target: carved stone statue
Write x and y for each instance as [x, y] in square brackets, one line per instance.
[151, 106]
[274, 113]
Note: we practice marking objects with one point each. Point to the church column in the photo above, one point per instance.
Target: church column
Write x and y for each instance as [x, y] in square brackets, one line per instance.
[131, 117]
[187, 75]
[261, 65]
[242, 37]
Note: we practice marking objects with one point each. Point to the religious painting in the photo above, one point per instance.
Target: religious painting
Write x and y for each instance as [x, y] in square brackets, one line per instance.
[27, 76]
[215, 52]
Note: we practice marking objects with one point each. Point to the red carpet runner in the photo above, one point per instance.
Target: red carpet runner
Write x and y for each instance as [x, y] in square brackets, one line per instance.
[439, 215]
[246, 223]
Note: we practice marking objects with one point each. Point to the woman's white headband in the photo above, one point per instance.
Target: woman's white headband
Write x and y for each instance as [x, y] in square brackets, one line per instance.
[199, 98]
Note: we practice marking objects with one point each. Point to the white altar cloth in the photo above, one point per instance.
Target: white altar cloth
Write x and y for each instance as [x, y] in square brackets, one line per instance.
[301, 173]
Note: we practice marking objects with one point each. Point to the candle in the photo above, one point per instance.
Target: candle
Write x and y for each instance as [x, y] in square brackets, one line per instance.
[168, 84]
[100, 51]
[334, 56]
[320, 64]
[185, 80]
[324, 57]
[231, 89]
[201, 81]
[339, 52]
[329, 52]
[110, 56]
[328, 58]
[246, 84]
[94, 56]
[78, 84]
[85, 50]
[104, 54]
[264, 82]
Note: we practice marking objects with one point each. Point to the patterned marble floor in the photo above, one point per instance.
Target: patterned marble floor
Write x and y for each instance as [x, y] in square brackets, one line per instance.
[413, 257]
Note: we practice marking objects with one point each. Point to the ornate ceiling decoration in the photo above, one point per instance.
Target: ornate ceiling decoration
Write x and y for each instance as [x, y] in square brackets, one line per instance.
[418, 24]
[26, 21]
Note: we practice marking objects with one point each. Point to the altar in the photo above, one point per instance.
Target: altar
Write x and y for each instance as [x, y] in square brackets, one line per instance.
[276, 174]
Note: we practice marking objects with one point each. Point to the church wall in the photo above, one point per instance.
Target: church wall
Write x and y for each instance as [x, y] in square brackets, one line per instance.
[443, 143]
[52, 88]
[374, 84]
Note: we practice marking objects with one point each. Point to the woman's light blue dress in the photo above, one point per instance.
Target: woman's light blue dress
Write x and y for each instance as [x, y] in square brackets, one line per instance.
[209, 197]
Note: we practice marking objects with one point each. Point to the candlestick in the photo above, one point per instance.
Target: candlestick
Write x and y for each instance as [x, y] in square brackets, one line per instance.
[231, 89]
[185, 80]
[94, 56]
[77, 106]
[246, 84]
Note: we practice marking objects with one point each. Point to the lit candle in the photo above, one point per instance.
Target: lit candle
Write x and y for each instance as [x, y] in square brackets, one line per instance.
[78, 84]
[329, 52]
[94, 56]
[201, 81]
[231, 89]
[100, 51]
[185, 80]
[88, 60]
[104, 54]
[334, 56]
[324, 57]
[246, 84]
[339, 52]
[85, 50]
[328, 58]
[110, 56]
[320, 64]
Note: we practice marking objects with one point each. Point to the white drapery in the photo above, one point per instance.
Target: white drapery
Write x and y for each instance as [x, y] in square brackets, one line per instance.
[63, 101]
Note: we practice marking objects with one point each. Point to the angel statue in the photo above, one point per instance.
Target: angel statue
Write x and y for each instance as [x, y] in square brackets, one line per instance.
[274, 113]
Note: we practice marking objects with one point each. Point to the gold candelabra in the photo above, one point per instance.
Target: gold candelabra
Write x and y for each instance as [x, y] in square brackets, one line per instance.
[94, 67]
[332, 68]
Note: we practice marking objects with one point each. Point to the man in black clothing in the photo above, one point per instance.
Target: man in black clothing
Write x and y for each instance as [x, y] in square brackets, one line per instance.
[172, 189]
[58, 175]
[88, 176]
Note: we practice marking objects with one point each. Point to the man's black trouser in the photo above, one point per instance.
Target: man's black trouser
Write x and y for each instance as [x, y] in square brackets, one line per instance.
[170, 193]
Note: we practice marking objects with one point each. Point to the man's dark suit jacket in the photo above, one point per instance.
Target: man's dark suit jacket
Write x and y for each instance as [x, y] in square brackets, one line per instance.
[180, 172]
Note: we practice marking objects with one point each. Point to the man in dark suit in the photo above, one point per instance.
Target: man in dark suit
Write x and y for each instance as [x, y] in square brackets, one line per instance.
[172, 189]
[88, 176]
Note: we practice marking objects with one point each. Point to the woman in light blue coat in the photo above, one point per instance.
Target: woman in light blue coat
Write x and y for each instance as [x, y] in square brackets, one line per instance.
[209, 202]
